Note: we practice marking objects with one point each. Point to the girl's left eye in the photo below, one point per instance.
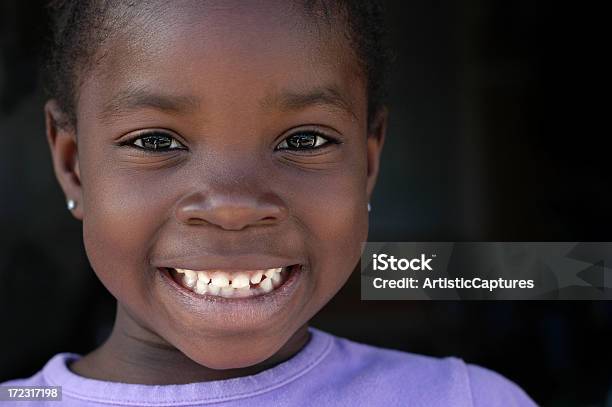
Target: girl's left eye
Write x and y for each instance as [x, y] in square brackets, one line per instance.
[304, 140]
[156, 141]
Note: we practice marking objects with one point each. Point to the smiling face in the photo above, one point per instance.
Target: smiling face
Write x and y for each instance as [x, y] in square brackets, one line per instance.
[230, 136]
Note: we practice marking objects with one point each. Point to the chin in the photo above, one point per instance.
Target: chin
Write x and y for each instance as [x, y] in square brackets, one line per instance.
[236, 356]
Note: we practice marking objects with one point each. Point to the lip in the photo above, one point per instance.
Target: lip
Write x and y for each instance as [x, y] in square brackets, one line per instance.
[242, 313]
[237, 262]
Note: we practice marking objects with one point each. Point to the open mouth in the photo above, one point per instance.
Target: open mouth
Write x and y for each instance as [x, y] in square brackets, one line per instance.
[232, 283]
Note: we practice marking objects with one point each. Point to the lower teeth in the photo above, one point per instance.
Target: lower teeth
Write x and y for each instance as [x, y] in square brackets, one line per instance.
[266, 285]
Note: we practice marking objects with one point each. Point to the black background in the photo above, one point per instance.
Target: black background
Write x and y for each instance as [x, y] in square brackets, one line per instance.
[491, 137]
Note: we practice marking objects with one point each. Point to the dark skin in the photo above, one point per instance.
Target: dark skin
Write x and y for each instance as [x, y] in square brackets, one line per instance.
[224, 84]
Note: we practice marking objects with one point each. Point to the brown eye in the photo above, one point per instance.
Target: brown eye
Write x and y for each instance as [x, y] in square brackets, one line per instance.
[306, 140]
[157, 142]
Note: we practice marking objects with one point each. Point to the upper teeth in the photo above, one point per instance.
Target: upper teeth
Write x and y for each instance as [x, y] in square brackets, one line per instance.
[241, 280]
[220, 279]
[256, 278]
[211, 282]
[190, 278]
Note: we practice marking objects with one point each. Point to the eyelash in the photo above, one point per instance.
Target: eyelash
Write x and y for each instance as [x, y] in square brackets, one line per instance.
[318, 144]
[327, 141]
[131, 142]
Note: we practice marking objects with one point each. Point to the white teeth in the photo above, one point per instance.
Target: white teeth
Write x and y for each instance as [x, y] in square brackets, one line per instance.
[276, 279]
[203, 276]
[227, 291]
[271, 272]
[256, 278]
[213, 289]
[266, 285]
[220, 280]
[243, 292]
[190, 278]
[241, 280]
[201, 287]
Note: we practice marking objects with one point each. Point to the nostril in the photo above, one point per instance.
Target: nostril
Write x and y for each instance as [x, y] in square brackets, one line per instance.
[231, 212]
[196, 221]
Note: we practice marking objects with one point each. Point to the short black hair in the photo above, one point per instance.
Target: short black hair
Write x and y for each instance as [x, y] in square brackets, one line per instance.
[80, 26]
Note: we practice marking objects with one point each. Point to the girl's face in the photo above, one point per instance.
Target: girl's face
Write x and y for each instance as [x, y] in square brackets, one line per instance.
[264, 160]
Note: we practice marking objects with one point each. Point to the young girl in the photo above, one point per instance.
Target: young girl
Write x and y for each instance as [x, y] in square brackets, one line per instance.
[221, 156]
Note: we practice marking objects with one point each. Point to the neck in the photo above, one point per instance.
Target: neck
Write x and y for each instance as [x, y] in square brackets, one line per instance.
[135, 354]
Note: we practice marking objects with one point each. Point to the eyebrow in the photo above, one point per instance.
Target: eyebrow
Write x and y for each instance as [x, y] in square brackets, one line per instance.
[287, 100]
[142, 97]
[328, 96]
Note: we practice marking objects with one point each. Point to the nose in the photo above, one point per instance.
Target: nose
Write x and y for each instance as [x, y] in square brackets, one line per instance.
[230, 212]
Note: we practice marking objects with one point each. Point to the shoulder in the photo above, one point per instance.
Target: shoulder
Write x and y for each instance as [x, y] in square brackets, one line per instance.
[425, 380]
[36, 380]
[490, 388]
[41, 378]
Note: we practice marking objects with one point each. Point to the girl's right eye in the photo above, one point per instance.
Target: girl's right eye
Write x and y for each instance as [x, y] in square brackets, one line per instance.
[156, 141]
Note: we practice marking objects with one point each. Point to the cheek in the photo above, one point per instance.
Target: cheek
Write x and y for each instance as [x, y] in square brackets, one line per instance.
[122, 213]
[332, 208]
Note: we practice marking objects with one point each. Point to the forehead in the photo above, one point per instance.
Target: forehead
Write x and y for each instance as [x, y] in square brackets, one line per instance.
[223, 50]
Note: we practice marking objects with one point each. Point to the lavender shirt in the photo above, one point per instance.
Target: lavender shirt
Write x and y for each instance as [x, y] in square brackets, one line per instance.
[328, 371]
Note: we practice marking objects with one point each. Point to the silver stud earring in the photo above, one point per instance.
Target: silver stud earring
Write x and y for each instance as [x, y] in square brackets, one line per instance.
[369, 207]
[71, 204]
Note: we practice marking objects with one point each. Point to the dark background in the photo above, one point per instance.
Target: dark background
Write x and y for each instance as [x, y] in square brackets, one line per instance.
[489, 139]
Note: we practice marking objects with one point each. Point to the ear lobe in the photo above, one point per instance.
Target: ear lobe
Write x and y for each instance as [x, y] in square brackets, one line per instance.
[376, 139]
[62, 140]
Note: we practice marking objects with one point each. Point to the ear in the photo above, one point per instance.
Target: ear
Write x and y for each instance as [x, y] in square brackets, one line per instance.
[375, 141]
[62, 140]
